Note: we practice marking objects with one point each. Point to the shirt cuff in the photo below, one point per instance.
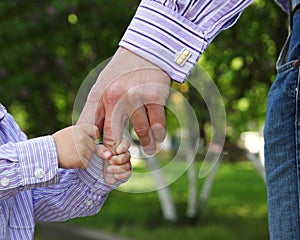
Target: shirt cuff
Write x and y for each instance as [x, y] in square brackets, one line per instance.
[38, 162]
[93, 177]
[165, 38]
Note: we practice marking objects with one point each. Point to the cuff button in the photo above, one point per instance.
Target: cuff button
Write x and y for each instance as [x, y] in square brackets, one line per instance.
[39, 173]
[4, 182]
[182, 57]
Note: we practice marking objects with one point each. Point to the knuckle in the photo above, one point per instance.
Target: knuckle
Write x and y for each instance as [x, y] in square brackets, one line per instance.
[118, 170]
[153, 97]
[142, 130]
[116, 160]
[134, 96]
[112, 95]
[156, 96]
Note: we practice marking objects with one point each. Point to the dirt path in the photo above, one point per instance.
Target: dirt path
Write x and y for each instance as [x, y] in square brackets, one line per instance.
[61, 231]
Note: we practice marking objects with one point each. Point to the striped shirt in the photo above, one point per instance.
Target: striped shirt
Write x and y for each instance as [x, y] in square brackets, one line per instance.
[32, 187]
[170, 33]
[173, 34]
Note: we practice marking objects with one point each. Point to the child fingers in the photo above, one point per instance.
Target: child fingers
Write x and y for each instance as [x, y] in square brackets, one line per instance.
[86, 149]
[120, 159]
[90, 145]
[83, 139]
[113, 169]
[90, 130]
[122, 176]
[110, 179]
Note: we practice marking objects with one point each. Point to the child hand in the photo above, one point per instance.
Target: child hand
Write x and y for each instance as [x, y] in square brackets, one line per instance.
[118, 167]
[75, 145]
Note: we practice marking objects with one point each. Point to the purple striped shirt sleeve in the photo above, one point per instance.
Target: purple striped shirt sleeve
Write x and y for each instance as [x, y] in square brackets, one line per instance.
[38, 161]
[55, 194]
[68, 199]
[79, 193]
[26, 164]
[93, 177]
[162, 29]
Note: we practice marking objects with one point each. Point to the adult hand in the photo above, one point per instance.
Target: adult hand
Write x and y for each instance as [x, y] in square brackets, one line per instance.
[129, 86]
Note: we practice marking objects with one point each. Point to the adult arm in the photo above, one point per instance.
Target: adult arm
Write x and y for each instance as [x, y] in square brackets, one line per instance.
[162, 29]
[164, 40]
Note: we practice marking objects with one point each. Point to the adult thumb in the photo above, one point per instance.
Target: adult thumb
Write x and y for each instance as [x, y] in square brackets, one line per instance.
[93, 112]
[113, 132]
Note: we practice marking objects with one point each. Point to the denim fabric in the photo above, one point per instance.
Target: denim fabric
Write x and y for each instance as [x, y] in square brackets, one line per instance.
[282, 142]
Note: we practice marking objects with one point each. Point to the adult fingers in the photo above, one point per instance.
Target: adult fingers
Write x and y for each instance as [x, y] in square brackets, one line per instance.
[93, 110]
[141, 126]
[115, 115]
[113, 130]
[157, 120]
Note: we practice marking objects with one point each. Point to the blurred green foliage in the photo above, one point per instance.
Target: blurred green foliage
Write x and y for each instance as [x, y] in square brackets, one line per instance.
[241, 61]
[48, 47]
[236, 210]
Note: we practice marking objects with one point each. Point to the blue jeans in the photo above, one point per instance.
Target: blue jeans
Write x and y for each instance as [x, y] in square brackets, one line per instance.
[282, 142]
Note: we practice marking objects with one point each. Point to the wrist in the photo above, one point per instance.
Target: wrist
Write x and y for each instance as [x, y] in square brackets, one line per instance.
[138, 62]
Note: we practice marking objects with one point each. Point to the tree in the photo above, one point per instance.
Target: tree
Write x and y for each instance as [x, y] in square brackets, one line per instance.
[48, 47]
[241, 61]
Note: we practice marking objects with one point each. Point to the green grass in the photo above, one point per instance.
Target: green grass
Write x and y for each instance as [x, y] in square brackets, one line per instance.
[236, 209]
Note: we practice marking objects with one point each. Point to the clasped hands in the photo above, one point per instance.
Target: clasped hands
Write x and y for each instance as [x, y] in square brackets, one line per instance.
[128, 87]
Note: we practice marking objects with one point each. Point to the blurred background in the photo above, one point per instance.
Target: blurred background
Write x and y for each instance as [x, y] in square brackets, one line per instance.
[49, 47]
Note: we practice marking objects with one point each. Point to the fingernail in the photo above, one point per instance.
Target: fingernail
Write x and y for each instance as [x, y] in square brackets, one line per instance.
[159, 132]
[107, 154]
[149, 149]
